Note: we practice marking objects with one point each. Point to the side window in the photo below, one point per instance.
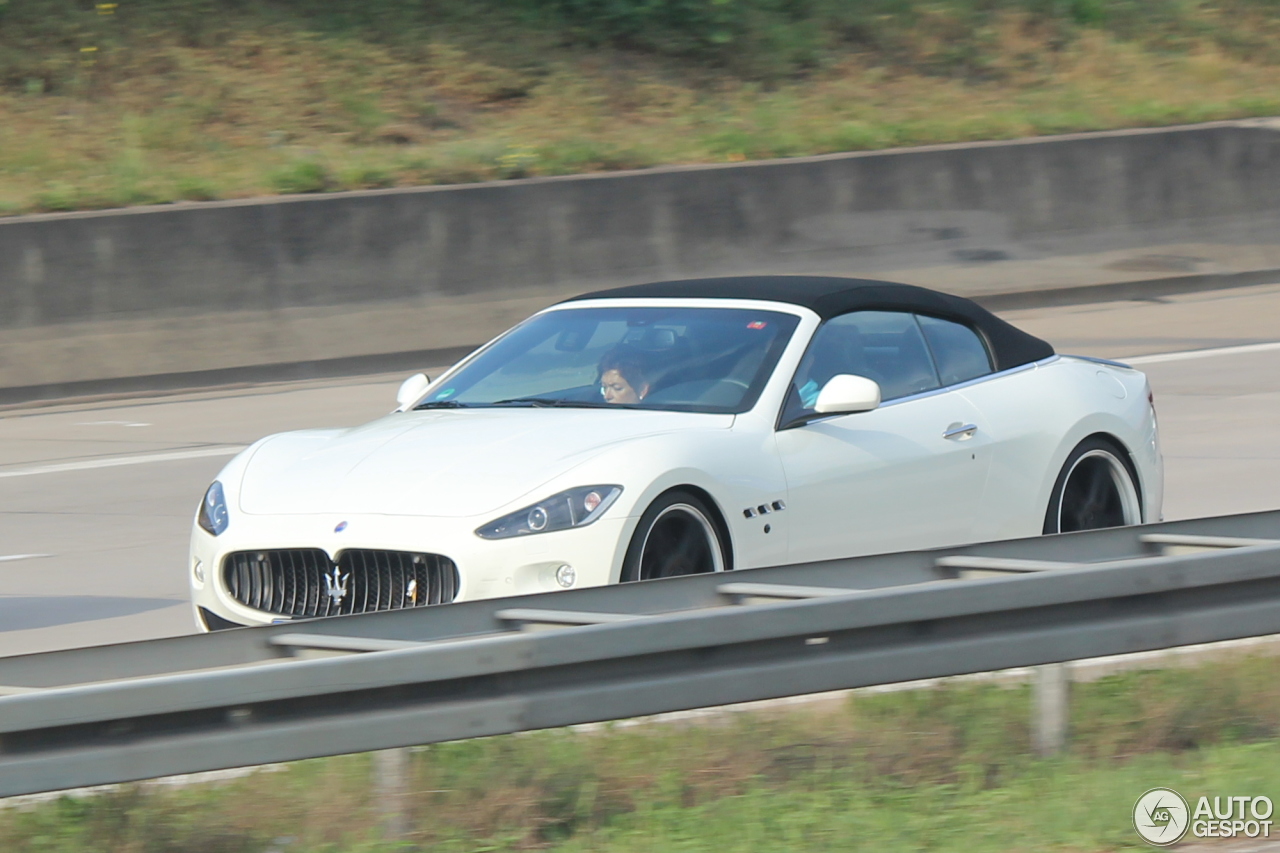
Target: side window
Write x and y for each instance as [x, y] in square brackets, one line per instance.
[886, 346]
[957, 350]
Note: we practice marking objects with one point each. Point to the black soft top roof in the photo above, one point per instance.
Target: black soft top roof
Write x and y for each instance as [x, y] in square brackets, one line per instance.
[830, 296]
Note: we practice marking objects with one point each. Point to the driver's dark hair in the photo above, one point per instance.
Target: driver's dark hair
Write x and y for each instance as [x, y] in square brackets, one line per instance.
[630, 364]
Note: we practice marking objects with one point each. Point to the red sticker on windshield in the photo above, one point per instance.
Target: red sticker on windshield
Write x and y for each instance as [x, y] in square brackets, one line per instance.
[758, 324]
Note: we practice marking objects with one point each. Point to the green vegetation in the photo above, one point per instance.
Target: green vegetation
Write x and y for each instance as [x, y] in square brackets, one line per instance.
[947, 768]
[146, 101]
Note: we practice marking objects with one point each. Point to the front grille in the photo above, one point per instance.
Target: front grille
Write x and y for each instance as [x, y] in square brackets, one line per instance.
[305, 582]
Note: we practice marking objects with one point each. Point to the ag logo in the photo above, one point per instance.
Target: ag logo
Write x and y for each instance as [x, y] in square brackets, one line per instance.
[1161, 817]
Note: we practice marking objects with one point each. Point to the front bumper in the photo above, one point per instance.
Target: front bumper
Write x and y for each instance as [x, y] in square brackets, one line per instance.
[486, 568]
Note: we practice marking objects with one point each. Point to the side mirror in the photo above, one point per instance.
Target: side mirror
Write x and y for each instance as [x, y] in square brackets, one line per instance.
[411, 391]
[847, 393]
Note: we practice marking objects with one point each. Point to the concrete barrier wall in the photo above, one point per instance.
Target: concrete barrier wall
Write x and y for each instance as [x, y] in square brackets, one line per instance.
[192, 287]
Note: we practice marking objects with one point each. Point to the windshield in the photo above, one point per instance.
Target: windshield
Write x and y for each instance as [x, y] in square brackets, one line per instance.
[683, 359]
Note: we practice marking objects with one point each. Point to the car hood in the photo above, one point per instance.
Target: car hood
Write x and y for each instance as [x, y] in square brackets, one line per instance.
[450, 462]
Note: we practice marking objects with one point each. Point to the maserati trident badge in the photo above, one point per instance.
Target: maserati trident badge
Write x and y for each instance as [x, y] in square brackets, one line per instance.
[335, 586]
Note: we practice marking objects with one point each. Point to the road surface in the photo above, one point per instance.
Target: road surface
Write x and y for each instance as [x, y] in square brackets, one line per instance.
[96, 498]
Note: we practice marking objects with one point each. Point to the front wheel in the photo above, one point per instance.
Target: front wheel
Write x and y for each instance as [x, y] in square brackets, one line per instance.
[1096, 488]
[677, 535]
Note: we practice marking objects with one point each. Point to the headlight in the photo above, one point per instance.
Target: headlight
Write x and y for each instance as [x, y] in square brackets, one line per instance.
[574, 508]
[213, 510]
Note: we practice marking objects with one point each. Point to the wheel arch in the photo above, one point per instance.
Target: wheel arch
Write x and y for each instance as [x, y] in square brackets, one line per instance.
[1126, 456]
[718, 517]
[1103, 429]
[1122, 453]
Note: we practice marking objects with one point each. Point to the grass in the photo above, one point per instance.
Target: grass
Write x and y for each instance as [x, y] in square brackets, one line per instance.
[1062, 806]
[152, 101]
[946, 768]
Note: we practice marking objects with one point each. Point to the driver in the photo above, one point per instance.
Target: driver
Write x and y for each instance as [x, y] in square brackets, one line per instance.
[623, 376]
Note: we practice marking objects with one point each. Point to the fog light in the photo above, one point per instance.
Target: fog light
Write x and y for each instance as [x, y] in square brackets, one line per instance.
[198, 570]
[565, 576]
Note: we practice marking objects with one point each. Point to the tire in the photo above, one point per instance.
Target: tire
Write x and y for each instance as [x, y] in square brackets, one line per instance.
[677, 535]
[1097, 488]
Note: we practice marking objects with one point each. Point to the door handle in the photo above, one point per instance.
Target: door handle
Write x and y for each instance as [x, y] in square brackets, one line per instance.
[960, 431]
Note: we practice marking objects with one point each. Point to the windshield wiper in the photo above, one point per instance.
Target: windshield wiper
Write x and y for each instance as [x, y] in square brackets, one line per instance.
[442, 404]
[549, 402]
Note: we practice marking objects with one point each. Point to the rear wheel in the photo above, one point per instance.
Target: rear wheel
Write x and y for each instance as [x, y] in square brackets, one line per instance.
[677, 535]
[1096, 488]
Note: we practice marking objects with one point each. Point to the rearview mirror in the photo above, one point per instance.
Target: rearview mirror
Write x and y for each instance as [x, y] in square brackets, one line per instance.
[411, 391]
[847, 393]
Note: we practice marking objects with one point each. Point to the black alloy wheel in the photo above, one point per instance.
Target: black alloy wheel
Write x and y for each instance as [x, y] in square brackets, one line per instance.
[1097, 488]
[677, 535]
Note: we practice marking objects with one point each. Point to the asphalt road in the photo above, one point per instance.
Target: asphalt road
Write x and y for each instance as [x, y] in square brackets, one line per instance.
[96, 498]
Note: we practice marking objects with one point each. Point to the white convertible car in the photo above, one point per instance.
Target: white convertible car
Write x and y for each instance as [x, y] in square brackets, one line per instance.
[680, 427]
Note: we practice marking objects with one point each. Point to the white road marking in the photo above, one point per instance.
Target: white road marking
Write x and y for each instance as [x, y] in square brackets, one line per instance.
[231, 450]
[1187, 355]
[7, 558]
[116, 461]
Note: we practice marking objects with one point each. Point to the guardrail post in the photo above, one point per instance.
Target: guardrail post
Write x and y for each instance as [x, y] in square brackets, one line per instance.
[1049, 714]
[391, 791]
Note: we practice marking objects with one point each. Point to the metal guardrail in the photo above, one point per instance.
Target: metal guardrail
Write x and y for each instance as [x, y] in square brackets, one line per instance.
[378, 681]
